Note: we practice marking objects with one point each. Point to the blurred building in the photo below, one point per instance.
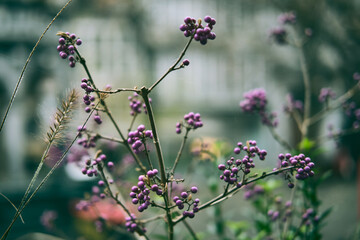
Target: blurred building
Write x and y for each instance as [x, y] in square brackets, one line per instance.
[132, 43]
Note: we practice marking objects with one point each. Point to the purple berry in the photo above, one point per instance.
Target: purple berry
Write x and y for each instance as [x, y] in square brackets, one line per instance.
[186, 62]
[194, 189]
[184, 195]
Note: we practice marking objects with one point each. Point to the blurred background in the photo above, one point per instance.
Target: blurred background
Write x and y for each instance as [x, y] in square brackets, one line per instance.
[132, 43]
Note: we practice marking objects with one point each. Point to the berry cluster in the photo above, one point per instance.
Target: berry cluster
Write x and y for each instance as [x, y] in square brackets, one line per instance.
[91, 165]
[89, 99]
[136, 103]
[86, 85]
[326, 94]
[309, 217]
[67, 47]
[131, 224]
[140, 193]
[191, 121]
[186, 198]
[253, 190]
[87, 141]
[278, 35]
[287, 18]
[255, 102]
[196, 29]
[292, 105]
[233, 168]
[302, 165]
[138, 137]
[352, 111]
[282, 211]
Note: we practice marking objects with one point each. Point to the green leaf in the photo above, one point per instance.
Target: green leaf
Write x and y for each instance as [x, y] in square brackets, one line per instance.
[306, 144]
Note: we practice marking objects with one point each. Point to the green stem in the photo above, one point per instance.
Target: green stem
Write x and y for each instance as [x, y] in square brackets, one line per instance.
[27, 62]
[180, 151]
[173, 67]
[220, 198]
[144, 93]
[21, 208]
[108, 113]
[307, 86]
[191, 231]
[279, 139]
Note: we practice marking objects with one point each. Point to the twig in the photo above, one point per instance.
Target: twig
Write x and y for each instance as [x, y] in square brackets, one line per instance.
[180, 151]
[220, 198]
[108, 113]
[191, 231]
[173, 67]
[27, 62]
[44, 180]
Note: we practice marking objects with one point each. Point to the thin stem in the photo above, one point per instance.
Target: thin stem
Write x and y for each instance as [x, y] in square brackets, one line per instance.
[191, 231]
[152, 218]
[144, 94]
[173, 67]
[288, 221]
[296, 116]
[180, 151]
[279, 139]
[112, 195]
[132, 122]
[147, 156]
[27, 62]
[21, 208]
[117, 90]
[307, 86]
[112, 139]
[220, 198]
[335, 104]
[13, 205]
[108, 113]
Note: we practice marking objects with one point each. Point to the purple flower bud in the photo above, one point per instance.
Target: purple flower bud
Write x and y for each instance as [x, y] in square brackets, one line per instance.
[78, 42]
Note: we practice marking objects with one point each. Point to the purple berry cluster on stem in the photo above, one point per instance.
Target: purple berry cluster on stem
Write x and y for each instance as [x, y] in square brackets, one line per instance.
[255, 102]
[287, 18]
[234, 167]
[281, 212]
[131, 224]
[86, 141]
[140, 194]
[67, 45]
[309, 217]
[186, 198]
[137, 138]
[201, 33]
[90, 168]
[278, 35]
[136, 104]
[303, 166]
[252, 191]
[292, 105]
[326, 94]
[191, 121]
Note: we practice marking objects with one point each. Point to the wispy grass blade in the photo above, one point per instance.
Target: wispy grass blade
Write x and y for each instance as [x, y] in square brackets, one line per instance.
[26, 64]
